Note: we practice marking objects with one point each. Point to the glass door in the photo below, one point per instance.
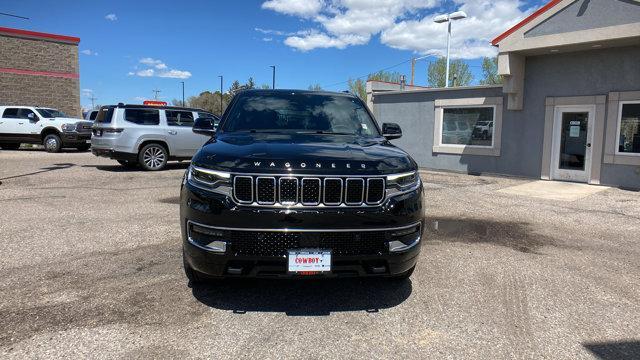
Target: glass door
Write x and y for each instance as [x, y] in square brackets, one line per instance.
[572, 144]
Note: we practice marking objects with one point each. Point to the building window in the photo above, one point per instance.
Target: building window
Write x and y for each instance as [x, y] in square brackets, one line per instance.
[629, 128]
[472, 126]
[468, 126]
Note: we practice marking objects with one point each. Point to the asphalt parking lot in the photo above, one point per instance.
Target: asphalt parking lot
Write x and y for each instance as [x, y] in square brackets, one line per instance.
[91, 267]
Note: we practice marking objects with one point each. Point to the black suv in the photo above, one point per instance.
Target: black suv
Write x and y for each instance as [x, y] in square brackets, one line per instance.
[300, 183]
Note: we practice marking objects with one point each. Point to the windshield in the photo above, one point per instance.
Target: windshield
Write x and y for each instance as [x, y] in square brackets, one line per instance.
[51, 113]
[300, 113]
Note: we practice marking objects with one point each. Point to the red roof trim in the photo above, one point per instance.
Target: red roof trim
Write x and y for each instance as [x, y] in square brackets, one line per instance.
[524, 22]
[39, 35]
[40, 73]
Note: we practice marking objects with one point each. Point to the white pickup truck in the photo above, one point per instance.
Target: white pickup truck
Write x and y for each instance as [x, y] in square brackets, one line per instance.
[46, 126]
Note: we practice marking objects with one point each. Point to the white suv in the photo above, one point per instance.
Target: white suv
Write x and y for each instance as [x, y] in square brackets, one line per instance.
[147, 135]
[36, 125]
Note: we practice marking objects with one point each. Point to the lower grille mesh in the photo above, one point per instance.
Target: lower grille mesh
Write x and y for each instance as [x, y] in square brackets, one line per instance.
[254, 243]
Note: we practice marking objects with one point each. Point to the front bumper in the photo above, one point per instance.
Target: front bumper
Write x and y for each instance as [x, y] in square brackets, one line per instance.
[356, 251]
[76, 138]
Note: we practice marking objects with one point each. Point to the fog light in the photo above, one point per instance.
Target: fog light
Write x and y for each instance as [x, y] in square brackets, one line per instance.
[217, 246]
[405, 239]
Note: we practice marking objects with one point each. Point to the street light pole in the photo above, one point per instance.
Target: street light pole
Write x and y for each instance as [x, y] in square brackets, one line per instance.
[220, 76]
[273, 81]
[446, 81]
[183, 104]
[458, 15]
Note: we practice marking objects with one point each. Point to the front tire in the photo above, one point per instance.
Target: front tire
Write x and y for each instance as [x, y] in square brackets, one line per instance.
[52, 143]
[10, 146]
[153, 157]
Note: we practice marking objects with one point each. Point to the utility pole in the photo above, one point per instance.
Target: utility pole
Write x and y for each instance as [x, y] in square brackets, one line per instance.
[413, 65]
[93, 99]
[220, 76]
[273, 81]
[183, 104]
[156, 92]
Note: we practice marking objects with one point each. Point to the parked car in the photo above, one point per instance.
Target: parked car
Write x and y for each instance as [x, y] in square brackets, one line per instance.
[300, 183]
[38, 125]
[146, 135]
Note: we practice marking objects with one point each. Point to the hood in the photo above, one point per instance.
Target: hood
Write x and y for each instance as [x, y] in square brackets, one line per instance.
[303, 154]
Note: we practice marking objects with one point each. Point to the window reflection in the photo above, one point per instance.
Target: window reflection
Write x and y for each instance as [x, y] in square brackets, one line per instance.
[468, 126]
[630, 129]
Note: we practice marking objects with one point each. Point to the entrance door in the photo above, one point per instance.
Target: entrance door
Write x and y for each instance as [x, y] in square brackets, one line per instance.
[572, 137]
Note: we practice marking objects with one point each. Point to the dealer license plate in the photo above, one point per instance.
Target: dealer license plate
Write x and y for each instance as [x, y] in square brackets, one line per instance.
[309, 261]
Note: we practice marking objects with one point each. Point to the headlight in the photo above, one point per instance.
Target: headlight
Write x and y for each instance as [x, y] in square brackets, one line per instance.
[401, 183]
[212, 180]
[68, 127]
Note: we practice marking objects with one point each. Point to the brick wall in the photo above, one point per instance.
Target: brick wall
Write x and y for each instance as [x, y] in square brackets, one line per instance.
[39, 90]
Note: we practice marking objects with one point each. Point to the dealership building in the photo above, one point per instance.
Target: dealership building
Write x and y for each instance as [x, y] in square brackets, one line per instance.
[568, 108]
[39, 69]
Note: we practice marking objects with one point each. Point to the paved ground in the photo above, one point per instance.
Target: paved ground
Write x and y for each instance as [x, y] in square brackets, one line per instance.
[91, 267]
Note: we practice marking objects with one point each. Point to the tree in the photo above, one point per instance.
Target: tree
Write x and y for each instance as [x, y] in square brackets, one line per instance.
[265, 86]
[459, 73]
[359, 87]
[210, 101]
[235, 87]
[490, 71]
[250, 84]
[315, 87]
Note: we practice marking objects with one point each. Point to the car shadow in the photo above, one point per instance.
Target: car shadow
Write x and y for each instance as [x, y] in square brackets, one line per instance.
[616, 350]
[41, 149]
[120, 168]
[304, 297]
[60, 166]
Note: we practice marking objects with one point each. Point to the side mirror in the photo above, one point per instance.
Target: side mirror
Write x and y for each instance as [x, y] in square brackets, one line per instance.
[204, 126]
[391, 131]
[32, 117]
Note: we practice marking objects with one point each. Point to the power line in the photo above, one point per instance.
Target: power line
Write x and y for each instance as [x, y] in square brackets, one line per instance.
[15, 16]
[363, 76]
[384, 69]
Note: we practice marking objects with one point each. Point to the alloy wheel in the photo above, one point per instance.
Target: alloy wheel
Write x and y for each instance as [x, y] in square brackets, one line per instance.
[154, 157]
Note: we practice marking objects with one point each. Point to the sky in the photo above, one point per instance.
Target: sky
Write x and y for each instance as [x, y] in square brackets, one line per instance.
[130, 48]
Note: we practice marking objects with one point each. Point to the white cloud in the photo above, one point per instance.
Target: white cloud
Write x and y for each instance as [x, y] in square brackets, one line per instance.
[305, 8]
[111, 17]
[175, 74]
[267, 39]
[164, 70]
[402, 24]
[470, 37]
[88, 52]
[145, 73]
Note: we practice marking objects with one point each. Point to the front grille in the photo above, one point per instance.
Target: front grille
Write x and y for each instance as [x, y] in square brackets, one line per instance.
[288, 190]
[264, 243]
[243, 189]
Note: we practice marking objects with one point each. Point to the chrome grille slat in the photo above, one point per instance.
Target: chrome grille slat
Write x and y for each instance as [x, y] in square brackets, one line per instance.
[288, 190]
[266, 190]
[308, 193]
[354, 191]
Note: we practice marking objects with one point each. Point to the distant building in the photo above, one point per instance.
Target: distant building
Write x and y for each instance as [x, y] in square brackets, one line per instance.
[569, 108]
[39, 69]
